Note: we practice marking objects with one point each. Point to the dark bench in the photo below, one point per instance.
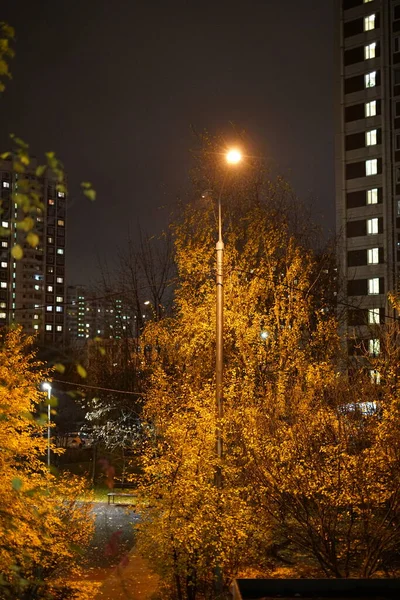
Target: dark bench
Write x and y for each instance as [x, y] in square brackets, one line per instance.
[112, 495]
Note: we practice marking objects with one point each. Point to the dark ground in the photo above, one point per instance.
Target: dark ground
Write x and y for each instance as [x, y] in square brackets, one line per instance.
[113, 537]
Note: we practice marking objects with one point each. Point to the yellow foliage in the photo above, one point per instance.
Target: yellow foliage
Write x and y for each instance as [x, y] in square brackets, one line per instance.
[41, 522]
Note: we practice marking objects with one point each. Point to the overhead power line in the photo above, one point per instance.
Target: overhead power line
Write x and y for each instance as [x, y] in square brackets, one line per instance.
[97, 387]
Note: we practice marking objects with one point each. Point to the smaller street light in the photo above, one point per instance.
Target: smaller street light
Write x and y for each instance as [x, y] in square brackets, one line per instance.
[47, 388]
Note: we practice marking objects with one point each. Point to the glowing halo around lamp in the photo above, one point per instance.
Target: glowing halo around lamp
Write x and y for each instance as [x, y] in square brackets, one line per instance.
[233, 156]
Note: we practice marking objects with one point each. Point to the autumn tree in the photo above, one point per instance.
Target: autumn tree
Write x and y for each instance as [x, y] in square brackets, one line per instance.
[42, 524]
[196, 533]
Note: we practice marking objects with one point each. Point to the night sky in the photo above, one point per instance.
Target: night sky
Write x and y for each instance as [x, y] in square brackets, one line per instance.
[113, 87]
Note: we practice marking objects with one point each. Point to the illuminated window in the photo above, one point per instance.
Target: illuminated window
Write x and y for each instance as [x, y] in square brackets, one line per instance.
[60, 250]
[49, 308]
[60, 280]
[36, 326]
[60, 222]
[372, 196]
[6, 184]
[51, 202]
[37, 287]
[370, 108]
[375, 376]
[50, 240]
[371, 137]
[3, 305]
[370, 79]
[49, 327]
[369, 22]
[4, 265]
[372, 226]
[59, 299]
[35, 316]
[371, 166]
[4, 223]
[59, 327]
[4, 244]
[373, 286]
[373, 256]
[2, 315]
[3, 284]
[49, 288]
[369, 51]
[61, 194]
[374, 346]
[373, 316]
[59, 308]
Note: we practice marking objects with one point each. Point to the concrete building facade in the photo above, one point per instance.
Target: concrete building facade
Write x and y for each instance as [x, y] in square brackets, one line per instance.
[367, 162]
[32, 289]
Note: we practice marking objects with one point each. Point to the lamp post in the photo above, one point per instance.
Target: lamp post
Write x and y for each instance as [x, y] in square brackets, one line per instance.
[47, 388]
[233, 157]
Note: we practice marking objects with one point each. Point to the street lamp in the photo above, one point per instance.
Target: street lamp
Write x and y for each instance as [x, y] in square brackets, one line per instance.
[47, 388]
[233, 156]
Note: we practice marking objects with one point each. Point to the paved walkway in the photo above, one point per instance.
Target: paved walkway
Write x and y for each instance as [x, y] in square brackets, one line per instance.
[132, 581]
[112, 561]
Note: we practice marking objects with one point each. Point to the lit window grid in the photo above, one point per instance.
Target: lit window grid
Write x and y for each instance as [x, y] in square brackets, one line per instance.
[372, 196]
[373, 316]
[370, 79]
[373, 286]
[370, 108]
[370, 51]
[371, 137]
[371, 167]
[373, 256]
[372, 226]
[369, 22]
[374, 346]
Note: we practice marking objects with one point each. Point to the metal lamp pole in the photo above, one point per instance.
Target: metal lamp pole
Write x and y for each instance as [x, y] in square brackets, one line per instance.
[219, 353]
[234, 156]
[47, 387]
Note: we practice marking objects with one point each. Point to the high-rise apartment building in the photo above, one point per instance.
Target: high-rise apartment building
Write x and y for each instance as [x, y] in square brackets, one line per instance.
[368, 160]
[32, 289]
[91, 315]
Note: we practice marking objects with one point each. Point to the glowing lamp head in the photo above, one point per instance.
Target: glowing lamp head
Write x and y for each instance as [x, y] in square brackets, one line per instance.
[46, 386]
[233, 156]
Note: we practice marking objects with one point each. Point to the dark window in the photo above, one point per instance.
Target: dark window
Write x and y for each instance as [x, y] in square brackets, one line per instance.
[353, 27]
[354, 84]
[355, 55]
[357, 287]
[356, 258]
[357, 316]
[356, 228]
[351, 3]
[355, 112]
[396, 12]
[356, 347]
[354, 170]
[355, 140]
[356, 199]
